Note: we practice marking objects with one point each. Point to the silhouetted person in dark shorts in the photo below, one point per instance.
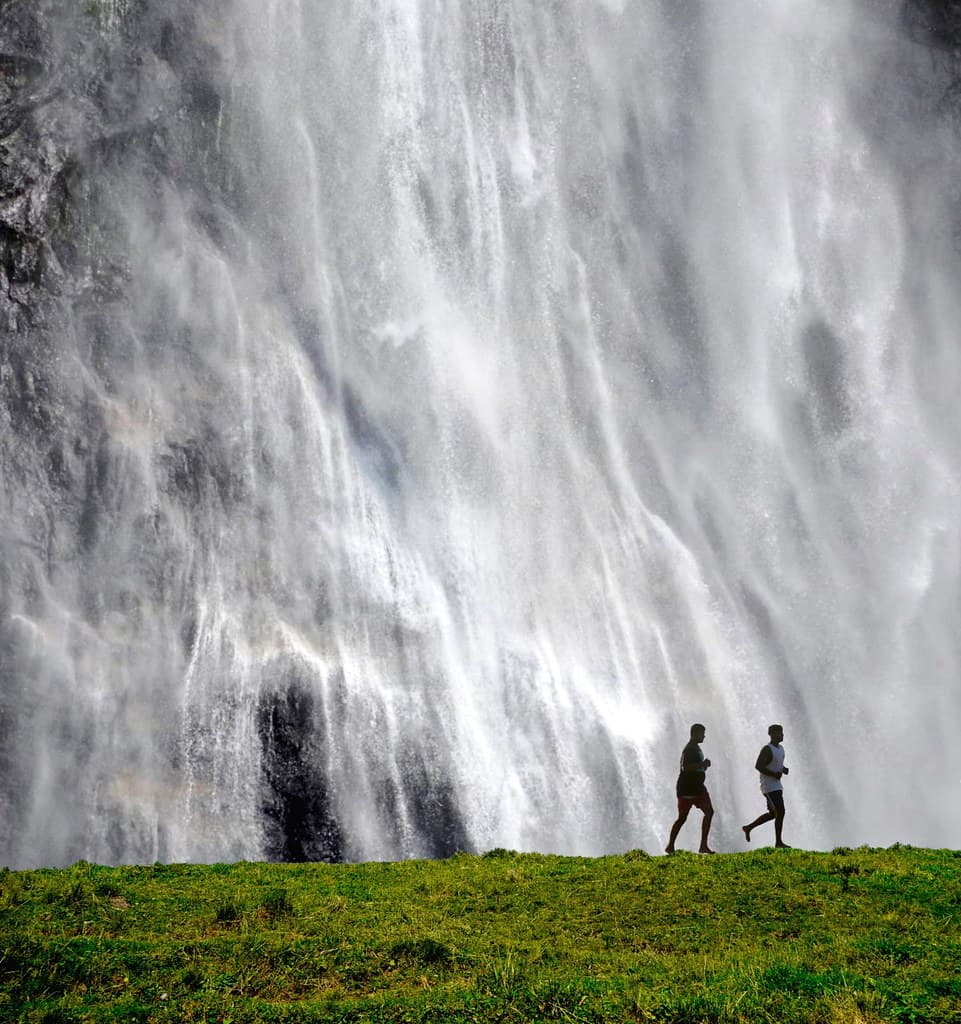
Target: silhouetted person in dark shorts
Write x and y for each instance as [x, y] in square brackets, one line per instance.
[691, 791]
[770, 766]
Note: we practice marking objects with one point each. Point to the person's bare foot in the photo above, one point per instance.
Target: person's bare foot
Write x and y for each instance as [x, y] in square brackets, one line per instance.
[669, 849]
[747, 833]
[781, 846]
[705, 849]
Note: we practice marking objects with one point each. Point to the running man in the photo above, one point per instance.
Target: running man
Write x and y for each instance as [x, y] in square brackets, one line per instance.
[770, 766]
[691, 790]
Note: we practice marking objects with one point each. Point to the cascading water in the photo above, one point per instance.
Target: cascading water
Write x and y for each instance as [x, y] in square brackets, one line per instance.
[435, 408]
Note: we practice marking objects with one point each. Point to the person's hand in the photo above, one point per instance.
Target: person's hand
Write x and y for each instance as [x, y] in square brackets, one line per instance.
[706, 763]
[784, 771]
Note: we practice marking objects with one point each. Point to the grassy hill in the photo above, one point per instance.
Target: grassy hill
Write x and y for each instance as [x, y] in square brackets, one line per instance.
[849, 937]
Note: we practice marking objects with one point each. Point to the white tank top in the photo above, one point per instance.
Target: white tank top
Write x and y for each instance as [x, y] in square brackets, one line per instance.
[776, 764]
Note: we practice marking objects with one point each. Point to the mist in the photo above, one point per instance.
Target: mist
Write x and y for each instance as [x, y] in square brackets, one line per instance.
[416, 415]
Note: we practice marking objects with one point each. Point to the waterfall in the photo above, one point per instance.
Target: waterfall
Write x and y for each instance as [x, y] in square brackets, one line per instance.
[417, 413]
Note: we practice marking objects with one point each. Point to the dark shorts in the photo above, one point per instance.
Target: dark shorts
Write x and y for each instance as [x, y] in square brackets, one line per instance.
[702, 801]
[775, 801]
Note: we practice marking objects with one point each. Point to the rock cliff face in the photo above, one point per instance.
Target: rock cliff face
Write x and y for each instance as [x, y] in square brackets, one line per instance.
[90, 95]
[935, 23]
[105, 107]
[114, 119]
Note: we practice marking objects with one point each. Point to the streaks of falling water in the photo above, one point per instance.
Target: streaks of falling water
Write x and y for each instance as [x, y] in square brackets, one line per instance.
[493, 391]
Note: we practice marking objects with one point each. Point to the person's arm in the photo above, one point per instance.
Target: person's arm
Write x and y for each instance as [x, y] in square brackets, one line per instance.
[691, 765]
[763, 760]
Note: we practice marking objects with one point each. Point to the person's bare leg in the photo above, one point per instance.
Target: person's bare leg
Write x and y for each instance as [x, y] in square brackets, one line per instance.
[778, 825]
[705, 828]
[763, 820]
[675, 829]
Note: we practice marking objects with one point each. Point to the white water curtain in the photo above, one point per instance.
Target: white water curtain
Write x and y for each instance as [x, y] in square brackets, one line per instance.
[526, 382]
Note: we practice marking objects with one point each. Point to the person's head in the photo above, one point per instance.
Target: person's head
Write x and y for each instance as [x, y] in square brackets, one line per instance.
[776, 733]
[698, 732]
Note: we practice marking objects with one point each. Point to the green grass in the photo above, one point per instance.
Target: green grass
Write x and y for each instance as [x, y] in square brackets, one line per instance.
[849, 937]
